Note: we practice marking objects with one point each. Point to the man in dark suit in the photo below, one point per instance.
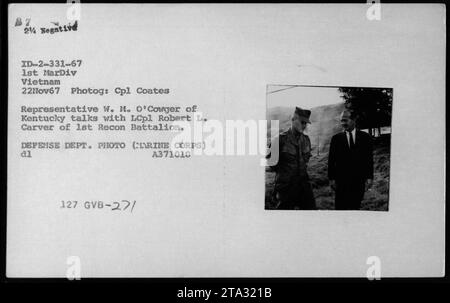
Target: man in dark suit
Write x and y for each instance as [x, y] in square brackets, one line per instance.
[350, 164]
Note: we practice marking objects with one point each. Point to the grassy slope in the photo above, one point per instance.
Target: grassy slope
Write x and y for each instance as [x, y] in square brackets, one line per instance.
[376, 199]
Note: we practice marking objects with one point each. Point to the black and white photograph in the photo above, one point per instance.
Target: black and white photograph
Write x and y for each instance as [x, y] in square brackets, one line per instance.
[334, 148]
[180, 141]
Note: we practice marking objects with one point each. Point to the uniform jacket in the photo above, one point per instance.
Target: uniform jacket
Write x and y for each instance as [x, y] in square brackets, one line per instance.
[295, 151]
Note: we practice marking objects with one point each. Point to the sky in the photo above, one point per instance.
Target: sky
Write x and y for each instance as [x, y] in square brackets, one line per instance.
[305, 97]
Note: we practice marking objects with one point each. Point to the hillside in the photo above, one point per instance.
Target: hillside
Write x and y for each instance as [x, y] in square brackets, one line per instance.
[324, 123]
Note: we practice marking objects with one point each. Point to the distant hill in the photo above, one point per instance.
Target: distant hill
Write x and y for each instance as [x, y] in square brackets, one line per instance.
[325, 123]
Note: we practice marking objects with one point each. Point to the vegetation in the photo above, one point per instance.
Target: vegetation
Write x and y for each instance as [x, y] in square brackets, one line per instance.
[372, 106]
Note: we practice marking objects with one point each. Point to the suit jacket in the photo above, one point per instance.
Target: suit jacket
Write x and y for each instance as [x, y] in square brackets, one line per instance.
[345, 164]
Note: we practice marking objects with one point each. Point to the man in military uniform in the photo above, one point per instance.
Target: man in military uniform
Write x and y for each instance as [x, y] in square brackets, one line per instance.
[292, 188]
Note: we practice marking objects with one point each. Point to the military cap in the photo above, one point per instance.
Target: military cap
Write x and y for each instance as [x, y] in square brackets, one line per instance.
[304, 114]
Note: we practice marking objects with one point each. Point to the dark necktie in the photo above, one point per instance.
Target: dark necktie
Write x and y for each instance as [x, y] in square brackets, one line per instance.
[352, 143]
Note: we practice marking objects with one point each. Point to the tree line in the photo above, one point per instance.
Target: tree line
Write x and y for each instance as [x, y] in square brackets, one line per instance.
[371, 106]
